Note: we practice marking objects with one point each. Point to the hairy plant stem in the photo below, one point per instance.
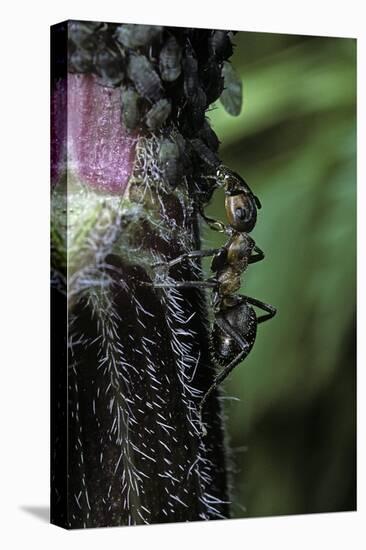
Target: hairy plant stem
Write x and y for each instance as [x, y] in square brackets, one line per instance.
[130, 362]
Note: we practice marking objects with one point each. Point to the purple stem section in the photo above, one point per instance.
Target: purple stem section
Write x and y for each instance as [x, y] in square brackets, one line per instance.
[58, 130]
[100, 151]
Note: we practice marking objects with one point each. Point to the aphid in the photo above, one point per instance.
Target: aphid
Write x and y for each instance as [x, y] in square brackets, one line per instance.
[170, 60]
[169, 161]
[205, 153]
[144, 77]
[221, 44]
[208, 135]
[180, 141]
[212, 79]
[136, 36]
[109, 66]
[130, 108]
[80, 61]
[196, 109]
[190, 70]
[158, 114]
[232, 96]
[198, 39]
[82, 34]
[235, 324]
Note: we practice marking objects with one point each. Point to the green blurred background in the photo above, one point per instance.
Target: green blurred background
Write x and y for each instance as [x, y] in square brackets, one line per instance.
[293, 433]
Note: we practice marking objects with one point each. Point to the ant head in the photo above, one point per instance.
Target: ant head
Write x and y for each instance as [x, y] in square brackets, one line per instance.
[240, 202]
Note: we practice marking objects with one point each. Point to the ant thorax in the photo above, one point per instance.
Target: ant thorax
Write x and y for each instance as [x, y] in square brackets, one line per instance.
[239, 249]
[229, 281]
[231, 262]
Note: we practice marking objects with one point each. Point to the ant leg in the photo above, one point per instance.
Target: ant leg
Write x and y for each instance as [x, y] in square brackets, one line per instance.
[215, 225]
[184, 284]
[220, 377]
[271, 311]
[218, 380]
[257, 257]
[186, 255]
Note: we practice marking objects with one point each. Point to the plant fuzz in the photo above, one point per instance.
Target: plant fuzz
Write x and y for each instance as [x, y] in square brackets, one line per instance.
[139, 358]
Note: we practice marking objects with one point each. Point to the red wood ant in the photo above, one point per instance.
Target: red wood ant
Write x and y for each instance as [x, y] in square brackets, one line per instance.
[235, 325]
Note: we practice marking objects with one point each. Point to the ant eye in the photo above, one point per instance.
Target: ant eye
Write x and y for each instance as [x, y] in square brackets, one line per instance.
[240, 213]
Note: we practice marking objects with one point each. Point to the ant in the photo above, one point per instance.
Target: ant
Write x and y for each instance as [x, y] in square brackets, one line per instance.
[235, 324]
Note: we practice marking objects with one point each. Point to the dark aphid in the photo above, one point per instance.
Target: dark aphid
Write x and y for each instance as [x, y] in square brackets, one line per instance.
[196, 109]
[213, 80]
[170, 60]
[130, 108]
[221, 44]
[205, 153]
[169, 161]
[136, 36]
[232, 96]
[144, 77]
[180, 141]
[158, 114]
[190, 70]
[198, 40]
[82, 34]
[81, 61]
[207, 135]
[185, 158]
[109, 65]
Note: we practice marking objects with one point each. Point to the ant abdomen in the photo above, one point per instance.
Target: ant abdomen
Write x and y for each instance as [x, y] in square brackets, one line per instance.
[226, 347]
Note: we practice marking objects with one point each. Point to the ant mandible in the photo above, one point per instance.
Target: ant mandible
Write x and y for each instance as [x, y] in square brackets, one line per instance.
[235, 324]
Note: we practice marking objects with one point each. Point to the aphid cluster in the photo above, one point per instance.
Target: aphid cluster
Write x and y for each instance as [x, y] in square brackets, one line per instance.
[168, 77]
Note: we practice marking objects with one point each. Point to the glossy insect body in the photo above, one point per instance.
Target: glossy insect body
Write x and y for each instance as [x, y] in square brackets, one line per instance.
[235, 325]
[231, 261]
[225, 347]
[240, 203]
